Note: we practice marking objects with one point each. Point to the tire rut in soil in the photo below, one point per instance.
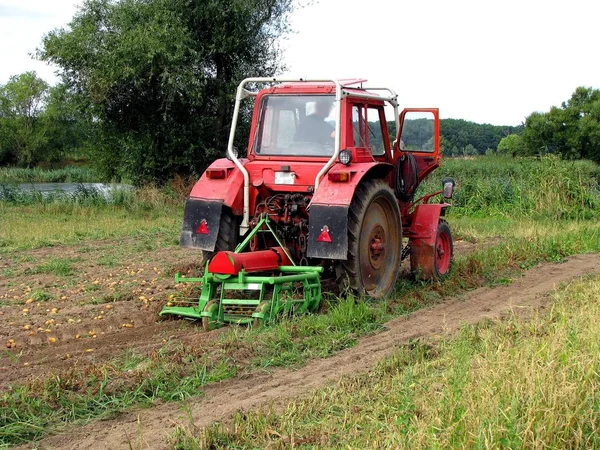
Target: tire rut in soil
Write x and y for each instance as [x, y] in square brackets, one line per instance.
[221, 401]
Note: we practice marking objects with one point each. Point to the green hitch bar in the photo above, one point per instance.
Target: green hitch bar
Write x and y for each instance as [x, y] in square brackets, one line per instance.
[257, 299]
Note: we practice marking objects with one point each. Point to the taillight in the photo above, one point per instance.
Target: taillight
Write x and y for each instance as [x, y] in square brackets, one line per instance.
[203, 227]
[216, 174]
[324, 236]
[339, 176]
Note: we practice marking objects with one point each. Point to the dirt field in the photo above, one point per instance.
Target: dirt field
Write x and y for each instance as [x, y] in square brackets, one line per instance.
[64, 307]
[61, 307]
[56, 317]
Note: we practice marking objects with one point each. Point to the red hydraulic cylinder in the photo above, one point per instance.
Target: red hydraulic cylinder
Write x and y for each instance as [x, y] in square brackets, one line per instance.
[230, 263]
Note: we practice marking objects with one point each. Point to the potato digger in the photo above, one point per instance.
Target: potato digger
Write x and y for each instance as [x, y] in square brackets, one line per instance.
[323, 192]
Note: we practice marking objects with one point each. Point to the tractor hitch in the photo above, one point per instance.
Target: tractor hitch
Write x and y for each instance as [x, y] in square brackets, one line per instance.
[251, 287]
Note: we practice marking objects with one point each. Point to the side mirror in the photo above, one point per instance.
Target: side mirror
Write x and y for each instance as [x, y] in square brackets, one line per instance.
[448, 187]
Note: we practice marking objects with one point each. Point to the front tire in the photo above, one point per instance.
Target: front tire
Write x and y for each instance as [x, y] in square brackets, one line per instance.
[374, 240]
[426, 267]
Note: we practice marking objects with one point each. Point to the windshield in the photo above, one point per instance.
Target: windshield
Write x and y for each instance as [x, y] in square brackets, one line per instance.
[296, 125]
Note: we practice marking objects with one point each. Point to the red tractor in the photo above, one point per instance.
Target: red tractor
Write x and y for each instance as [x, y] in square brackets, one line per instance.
[335, 195]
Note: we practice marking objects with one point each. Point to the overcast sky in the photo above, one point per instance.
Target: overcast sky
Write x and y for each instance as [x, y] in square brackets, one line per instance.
[488, 61]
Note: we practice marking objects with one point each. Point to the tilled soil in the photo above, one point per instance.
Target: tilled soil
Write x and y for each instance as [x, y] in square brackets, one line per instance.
[64, 307]
[150, 428]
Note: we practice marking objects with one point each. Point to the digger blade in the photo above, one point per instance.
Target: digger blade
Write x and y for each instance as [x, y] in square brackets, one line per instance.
[182, 311]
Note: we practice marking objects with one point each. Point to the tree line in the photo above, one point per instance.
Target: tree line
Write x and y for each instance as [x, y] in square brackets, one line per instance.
[147, 89]
[460, 137]
[571, 130]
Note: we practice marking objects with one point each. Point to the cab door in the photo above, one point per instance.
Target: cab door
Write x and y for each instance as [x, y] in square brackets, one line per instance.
[419, 136]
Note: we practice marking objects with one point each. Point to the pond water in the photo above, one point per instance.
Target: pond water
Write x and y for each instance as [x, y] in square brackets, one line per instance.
[105, 190]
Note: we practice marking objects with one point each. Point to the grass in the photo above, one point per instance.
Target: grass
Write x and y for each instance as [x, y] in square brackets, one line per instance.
[57, 266]
[72, 174]
[63, 219]
[525, 187]
[177, 372]
[509, 384]
[522, 237]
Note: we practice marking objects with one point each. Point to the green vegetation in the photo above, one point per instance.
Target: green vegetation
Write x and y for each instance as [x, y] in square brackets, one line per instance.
[39, 123]
[572, 131]
[546, 187]
[57, 266]
[461, 137]
[66, 218]
[72, 174]
[510, 384]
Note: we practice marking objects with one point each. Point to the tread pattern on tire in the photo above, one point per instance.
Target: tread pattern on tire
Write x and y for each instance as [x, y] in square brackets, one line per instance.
[365, 191]
[227, 237]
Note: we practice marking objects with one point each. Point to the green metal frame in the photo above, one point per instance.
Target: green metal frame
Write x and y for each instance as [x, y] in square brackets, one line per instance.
[293, 290]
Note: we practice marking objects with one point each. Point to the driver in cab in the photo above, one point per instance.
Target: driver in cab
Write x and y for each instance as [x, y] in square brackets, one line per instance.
[314, 128]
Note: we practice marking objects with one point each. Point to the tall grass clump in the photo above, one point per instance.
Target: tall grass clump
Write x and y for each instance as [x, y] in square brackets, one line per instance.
[145, 198]
[72, 174]
[545, 187]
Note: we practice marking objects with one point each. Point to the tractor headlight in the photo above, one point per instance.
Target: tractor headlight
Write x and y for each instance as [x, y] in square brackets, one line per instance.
[345, 157]
[448, 186]
[235, 152]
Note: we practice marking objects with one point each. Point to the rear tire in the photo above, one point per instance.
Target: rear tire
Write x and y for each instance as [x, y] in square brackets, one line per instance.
[227, 237]
[374, 240]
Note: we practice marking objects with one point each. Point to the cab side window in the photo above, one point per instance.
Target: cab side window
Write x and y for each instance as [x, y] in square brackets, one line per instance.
[358, 126]
[375, 135]
[367, 128]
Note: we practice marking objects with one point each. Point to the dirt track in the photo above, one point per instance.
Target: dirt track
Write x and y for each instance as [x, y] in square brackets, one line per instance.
[221, 401]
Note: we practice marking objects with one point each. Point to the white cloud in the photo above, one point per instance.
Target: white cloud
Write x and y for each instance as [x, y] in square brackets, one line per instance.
[486, 61]
[22, 25]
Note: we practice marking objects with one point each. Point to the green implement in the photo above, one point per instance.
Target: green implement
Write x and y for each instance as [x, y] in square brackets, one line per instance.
[251, 287]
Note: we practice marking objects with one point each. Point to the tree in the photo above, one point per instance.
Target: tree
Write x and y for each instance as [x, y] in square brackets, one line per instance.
[22, 135]
[510, 145]
[69, 130]
[158, 77]
[571, 130]
[470, 150]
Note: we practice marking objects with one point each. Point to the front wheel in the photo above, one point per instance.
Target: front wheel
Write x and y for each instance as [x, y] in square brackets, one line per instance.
[374, 240]
[437, 266]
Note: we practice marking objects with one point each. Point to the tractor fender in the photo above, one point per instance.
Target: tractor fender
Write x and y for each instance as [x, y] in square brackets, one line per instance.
[422, 235]
[204, 205]
[424, 224]
[228, 190]
[328, 222]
